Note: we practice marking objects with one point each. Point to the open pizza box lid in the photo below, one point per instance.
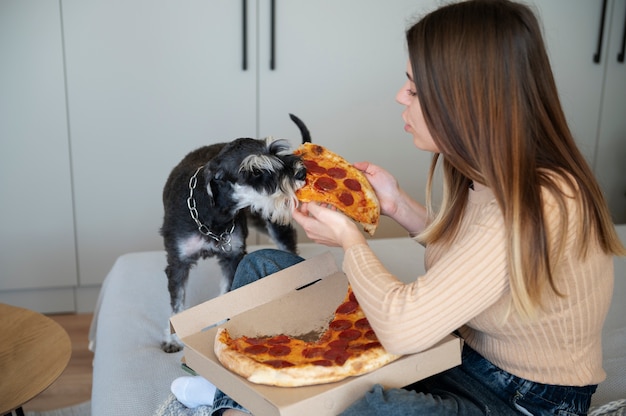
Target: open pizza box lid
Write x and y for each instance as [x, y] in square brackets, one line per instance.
[294, 301]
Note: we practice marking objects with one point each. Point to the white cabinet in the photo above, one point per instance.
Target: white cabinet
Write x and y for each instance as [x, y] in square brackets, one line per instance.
[149, 81]
[593, 93]
[610, 161]
[36, 222]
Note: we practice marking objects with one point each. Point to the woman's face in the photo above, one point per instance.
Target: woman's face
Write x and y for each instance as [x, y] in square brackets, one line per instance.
[412, 115]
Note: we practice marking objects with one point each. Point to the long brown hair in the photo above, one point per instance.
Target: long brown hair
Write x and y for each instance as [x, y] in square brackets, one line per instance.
[488, 95]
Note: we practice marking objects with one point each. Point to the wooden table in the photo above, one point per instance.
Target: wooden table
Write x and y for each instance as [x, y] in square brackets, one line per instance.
[34, 351]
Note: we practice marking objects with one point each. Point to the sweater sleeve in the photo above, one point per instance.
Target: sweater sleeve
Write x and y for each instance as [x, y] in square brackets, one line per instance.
[463, 282]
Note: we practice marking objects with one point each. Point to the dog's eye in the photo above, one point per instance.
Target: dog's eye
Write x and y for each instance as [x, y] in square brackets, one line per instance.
[301, 175]
[257, 173]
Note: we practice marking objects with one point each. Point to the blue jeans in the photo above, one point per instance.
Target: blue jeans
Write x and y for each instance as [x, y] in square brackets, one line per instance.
[254, 266]
[476, 387]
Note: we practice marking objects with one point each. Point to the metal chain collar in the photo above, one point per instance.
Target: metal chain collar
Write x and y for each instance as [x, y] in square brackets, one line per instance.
[224, 240]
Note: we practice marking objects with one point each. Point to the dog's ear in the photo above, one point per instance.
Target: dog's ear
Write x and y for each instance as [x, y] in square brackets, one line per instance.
[211, 177]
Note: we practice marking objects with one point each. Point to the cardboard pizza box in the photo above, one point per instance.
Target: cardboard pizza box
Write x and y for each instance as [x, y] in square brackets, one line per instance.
[294, 301]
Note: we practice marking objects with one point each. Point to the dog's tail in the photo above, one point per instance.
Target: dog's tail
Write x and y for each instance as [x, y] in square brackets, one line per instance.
[306, 136]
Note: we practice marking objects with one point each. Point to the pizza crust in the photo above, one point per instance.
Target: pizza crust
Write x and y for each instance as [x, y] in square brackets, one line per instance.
[297, 376]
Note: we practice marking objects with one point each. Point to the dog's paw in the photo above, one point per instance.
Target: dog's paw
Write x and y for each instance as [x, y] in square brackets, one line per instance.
[171, 343]
[171, 346]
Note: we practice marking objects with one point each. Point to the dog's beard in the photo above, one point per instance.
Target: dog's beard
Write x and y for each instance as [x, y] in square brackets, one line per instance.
[276, 207]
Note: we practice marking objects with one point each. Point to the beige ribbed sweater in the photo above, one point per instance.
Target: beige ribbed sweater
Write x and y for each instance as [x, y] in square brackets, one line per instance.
[466, 288]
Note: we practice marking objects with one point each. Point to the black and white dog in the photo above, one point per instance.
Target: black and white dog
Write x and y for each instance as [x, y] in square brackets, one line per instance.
[209, 198]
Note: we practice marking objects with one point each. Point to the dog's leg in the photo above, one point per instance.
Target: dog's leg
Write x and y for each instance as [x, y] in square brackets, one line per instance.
[177, 272]
[284, 236]
[228, 264]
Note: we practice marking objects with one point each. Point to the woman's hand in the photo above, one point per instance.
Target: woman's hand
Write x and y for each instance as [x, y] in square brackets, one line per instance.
[325, 225]
[384, 184]
[394, 202]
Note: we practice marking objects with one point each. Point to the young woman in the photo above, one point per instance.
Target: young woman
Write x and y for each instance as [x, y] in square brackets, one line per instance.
[519, 254]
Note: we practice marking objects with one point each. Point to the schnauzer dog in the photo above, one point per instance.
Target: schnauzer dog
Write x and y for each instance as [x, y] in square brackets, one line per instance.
[209, 198]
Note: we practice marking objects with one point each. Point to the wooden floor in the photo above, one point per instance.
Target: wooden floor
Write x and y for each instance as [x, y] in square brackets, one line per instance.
[74, 385]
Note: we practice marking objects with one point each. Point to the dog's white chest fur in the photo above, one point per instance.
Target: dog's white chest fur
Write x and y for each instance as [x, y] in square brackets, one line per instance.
[188, 247]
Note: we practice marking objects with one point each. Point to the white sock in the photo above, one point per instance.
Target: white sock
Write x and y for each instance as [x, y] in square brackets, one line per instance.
[193, 391]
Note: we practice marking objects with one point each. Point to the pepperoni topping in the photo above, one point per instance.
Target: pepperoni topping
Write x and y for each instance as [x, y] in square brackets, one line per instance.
[313, 352]
[279, 363]
[372, 345]
[318, 150]
[371, 335]
[323, 363]
[352, 184]
[255, 341]
[279, 351]
[362, 324]
[339, 356]
[338, 344]
[337, 173]
[327, 336]
[346, 198]
[325, 184]
[352, 297]
[340, 325]
[347, 308]
[256, 349]
[313, 168]
[279, 339]
[350, 334]
[365, 347]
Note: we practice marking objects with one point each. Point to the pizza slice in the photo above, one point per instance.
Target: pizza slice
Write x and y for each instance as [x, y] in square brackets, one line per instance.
[349, 347]
[332, 180]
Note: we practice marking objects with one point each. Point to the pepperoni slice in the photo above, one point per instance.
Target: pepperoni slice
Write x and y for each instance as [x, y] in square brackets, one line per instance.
[371, 335]
[372, 345]
[256, 349]
[347, 307]
[352, 184]
[255, 341]
[323, 363]
[367, 346]
[338, 344]
[279, 351]
[325, 337]
[312, 167]
[341, 360]
[340, 325]
[346, 198]
[325, 183]
[337, 173]
[279, 363]
[352, 297]
[362, 324]
[337, 355]
[279, 339]
[350, 334]
[313, 352]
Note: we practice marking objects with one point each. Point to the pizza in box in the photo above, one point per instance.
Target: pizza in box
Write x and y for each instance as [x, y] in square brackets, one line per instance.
[348, 347]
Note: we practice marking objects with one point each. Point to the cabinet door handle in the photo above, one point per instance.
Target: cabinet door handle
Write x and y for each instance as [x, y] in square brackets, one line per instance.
[244, 35]
[598, 54]
[272, 35]
[620, 55]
